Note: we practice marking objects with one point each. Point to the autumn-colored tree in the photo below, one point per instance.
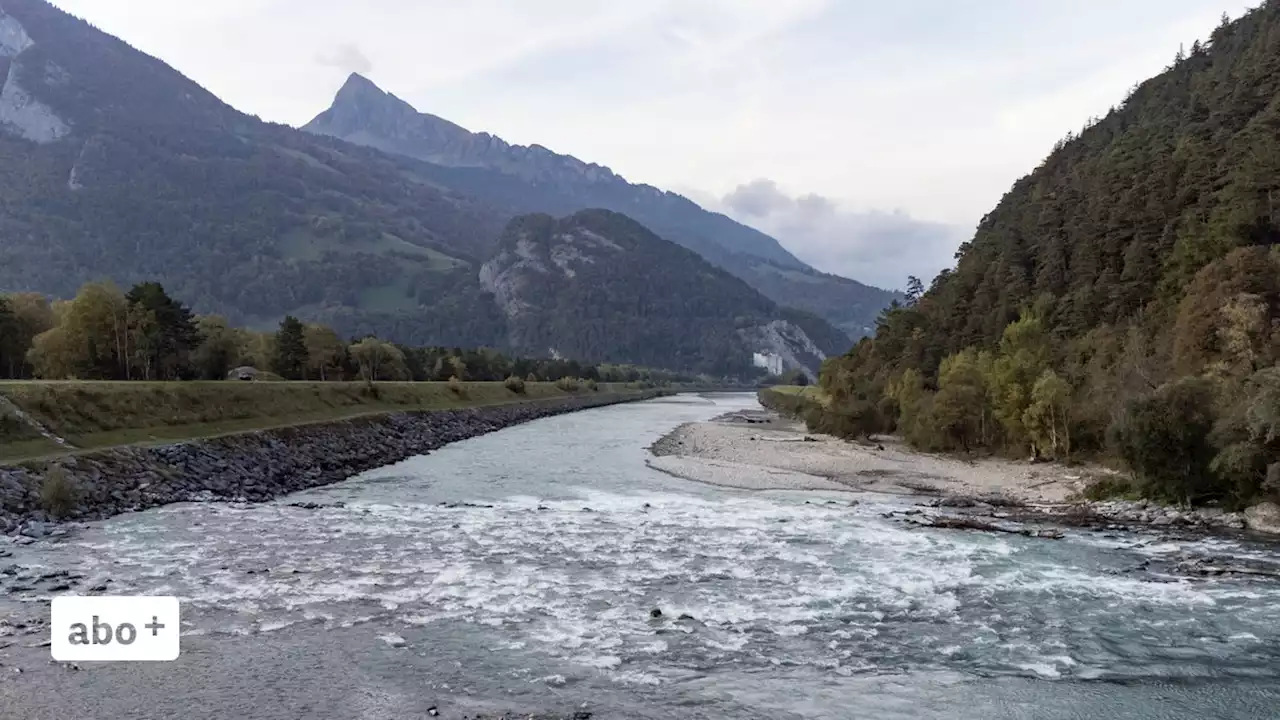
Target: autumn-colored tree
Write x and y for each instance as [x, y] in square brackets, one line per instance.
[959, 407]
[325, 353]
[378, 360]
[90, 339]
[218, 350]
[1023, 356]
[1048, 418]
[255, 349]
[146, 340]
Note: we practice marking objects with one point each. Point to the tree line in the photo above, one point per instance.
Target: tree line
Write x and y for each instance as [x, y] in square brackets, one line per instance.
[104, 333]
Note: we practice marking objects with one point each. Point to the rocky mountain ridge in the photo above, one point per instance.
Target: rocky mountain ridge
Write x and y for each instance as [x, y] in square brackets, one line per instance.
[536, 179]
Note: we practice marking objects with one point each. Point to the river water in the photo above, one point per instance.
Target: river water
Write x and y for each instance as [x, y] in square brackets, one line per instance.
[520, 570]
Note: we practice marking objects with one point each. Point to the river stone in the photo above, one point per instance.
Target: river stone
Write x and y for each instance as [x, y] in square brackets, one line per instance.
[1264, 517]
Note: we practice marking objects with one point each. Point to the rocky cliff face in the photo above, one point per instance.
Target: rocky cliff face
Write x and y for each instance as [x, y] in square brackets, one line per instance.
[535, 179]
[599, 285]
[20, 113]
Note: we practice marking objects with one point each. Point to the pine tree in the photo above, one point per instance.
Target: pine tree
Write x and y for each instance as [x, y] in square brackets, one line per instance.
[290, 358]
[11, 346]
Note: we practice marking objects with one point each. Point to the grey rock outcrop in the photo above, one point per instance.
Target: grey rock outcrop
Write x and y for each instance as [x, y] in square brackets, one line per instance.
[787, 341]
[13, 37]
[555, 279]
[20, 113]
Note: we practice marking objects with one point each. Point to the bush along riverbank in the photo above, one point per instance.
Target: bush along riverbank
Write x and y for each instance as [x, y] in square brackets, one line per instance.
[1010, 489]
[255, 466]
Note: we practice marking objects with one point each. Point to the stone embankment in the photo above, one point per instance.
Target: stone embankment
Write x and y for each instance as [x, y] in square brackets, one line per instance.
[256, 466]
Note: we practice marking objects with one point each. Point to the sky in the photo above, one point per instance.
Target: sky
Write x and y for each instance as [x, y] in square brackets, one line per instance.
[868, 136]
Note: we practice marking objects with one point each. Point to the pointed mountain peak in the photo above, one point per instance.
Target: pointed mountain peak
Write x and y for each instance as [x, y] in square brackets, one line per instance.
[378, 118]
[360, 90]
[361, 97]
[359, 84]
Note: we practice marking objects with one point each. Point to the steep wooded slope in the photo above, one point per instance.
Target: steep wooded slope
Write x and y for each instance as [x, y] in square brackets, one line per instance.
[1124, 297]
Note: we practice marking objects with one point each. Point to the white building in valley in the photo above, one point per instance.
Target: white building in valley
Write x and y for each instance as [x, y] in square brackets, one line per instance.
[770, 362]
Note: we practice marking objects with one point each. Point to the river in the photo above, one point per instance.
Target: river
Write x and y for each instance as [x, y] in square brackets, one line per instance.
[518, 571]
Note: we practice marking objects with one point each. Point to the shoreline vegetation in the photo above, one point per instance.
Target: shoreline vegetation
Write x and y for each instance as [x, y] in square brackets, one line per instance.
[110, 368]
[767, 450]
[44, 419]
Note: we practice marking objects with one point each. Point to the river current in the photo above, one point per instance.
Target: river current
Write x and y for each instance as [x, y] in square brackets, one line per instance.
[520, 571]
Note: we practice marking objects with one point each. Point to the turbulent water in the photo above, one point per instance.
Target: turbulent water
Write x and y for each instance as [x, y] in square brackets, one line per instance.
[520, 570]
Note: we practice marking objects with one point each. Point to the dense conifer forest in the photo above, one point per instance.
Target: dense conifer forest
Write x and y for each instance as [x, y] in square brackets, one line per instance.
[1122, 301]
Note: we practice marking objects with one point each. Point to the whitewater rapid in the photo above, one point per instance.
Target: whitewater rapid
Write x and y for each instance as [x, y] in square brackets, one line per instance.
[534, 559]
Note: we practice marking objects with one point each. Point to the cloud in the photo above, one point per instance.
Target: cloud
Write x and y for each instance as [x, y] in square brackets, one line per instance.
[347, 57]
[877, 247]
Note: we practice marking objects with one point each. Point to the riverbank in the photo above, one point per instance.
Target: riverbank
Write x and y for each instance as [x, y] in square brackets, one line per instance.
[253, 466]
[39, 419]
[760, 450]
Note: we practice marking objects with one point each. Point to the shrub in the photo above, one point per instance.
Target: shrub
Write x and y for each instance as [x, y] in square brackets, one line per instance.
[1110, 488]
[592, 386]
[455, 386]
[59, 492]
[515, 385]
[569, 384]
[532, 378]
[1164, 439]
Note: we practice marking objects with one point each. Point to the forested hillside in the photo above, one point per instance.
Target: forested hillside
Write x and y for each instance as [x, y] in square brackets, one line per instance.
[1120, 300]
[600, 285]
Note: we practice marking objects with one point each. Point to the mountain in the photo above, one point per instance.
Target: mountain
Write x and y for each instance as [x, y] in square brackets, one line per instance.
[1123, 296]
[535, 179]
[113, 165]
[600, 285]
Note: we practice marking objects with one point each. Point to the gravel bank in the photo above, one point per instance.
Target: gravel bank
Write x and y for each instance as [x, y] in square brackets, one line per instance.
[758, 444]
[759, 450]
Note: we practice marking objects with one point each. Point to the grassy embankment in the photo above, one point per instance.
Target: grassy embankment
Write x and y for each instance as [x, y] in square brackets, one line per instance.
[92, 415]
